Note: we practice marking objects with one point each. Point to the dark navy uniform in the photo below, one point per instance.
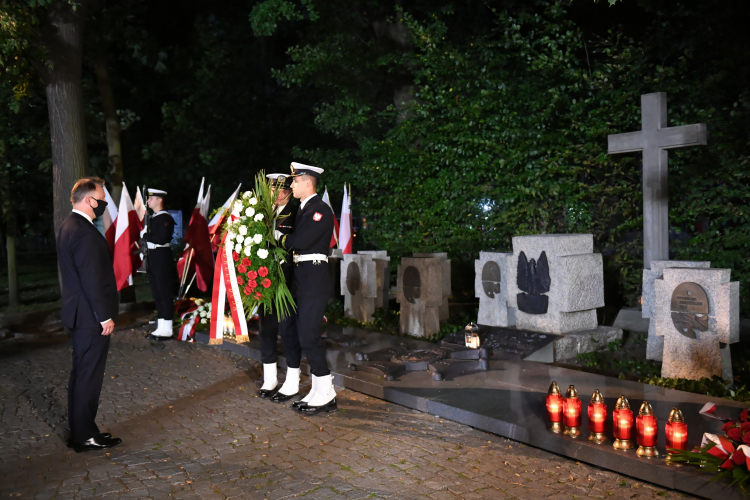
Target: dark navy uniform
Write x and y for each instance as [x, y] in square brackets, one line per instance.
[311, 235]
[162, 273]
[270, 327]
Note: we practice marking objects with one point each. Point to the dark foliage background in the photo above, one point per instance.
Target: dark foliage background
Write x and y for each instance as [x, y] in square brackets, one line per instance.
[458, 124]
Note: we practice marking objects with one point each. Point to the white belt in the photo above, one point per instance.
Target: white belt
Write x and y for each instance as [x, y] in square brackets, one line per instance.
[317, 258]
[151, 246]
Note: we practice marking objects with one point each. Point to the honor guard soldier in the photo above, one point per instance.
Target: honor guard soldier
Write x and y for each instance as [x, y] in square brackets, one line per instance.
[162, 273]
[309, 242]
[270, 326]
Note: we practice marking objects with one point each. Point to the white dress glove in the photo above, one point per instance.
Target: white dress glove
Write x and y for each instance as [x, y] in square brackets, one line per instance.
[277, 234]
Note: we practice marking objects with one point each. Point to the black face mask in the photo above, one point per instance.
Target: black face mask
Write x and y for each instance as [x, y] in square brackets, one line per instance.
[101, 206]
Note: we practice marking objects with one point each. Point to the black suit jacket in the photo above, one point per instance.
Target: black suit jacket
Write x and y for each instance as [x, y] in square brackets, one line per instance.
[89, 290]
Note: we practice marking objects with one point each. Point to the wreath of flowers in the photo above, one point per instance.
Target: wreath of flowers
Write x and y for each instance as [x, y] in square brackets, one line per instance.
[727, 457]
[255, 255]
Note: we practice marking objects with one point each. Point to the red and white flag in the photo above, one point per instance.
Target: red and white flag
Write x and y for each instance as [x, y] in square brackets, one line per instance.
[140, 206]
[335, 236]
[109, 219]
[214, 226]
[345, 231]
[198, 245]
[127, 233]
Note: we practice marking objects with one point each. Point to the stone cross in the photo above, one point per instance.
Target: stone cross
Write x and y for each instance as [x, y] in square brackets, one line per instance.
[654, 139]
[383, 268]
[422, 289]
[491, 287]
[359, 286]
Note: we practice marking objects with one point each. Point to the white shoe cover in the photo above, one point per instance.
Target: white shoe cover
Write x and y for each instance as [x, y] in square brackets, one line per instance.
[291, 384]
[324, 392]
[269, 377]
[312, 390]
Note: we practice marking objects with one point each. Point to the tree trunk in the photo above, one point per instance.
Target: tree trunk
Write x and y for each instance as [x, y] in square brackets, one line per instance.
[62, 36]
[112, 122]
[9, 211]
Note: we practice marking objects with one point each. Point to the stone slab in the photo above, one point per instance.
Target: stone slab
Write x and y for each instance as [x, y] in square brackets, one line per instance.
[631, 319]
[571, 344]
[508, 401]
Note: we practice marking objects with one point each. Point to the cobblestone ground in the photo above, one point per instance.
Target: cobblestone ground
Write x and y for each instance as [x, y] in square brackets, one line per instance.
[193, 428]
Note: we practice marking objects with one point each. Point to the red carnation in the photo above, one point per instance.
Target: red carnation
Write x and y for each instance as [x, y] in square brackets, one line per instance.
[242, 269]
[734, 434]
[738, 457]
[235, 256]
[266, 283]
[746, 438]
[240, 281]
[247, 290]
[743, 415]
[745, 426]
[252, 284]
[258, 295]
[252, 275]
[728, 425]
[246, 261]
[263, 271]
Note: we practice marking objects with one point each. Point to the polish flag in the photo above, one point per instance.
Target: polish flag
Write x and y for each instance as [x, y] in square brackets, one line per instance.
[214, 226]
[345, 231]
[335, 235]
[198, 244]
[126, 235]
[140, 206]
[109, 219]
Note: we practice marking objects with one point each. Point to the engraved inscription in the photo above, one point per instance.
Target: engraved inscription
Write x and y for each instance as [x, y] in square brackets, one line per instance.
[689, 308]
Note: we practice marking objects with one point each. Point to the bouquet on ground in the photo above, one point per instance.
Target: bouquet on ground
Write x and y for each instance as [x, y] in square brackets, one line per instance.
[256, 256]
[192, 314]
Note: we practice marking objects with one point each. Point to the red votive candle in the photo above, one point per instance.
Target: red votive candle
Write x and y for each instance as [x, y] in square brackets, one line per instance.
[646, 429]
[676, 431]
[622, 424]
[597, 418]
[555, 408]
[572, 413]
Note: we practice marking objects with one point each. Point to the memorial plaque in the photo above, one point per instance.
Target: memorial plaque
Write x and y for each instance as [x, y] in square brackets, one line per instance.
[533, 278]
[689, 308]
[353, 278]
[412, 284]
[491, 279]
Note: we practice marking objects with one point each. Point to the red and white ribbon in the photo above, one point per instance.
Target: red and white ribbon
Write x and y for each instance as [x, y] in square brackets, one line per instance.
[224, 273]
[187, 329]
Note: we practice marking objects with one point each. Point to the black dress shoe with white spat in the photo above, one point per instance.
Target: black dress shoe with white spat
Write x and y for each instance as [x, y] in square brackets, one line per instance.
[314, 410]
[96, 443]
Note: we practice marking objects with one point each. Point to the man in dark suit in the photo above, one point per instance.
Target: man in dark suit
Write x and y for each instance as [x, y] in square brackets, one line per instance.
[270, 326]
[89, 305]
[310, 242]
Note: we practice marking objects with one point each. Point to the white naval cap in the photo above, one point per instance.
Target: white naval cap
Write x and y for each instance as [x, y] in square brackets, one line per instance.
[301, 169]
[281, 179]
[156, 192]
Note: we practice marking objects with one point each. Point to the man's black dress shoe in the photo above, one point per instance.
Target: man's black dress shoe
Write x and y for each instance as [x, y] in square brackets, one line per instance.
[314, 410]
[280, 398]
[267, 393]
[101, 435]
[96, 443]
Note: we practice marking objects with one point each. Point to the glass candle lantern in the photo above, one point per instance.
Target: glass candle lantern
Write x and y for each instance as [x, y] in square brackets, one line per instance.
[597, 418]
[471, 336]
[622, 424]
[555, 408]
[646, 429]
[572, 413]
[676, 431]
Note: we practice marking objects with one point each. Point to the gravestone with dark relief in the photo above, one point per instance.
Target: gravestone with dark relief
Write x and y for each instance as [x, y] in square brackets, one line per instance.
[696, 310]
[491, 287]
[655, 343]
[422, 290]
[359, 286]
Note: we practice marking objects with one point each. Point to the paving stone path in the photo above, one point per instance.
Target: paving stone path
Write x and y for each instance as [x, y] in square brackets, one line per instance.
[193, 428]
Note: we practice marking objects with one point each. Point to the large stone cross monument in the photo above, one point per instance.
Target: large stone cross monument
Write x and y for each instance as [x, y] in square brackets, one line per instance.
[654, 139]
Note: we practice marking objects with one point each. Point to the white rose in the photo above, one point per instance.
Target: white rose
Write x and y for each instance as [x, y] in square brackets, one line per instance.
[243, 230]
[238, 247]
[257, 238]
[247, 250]
[262, 253]
[203, 314]
[240, 238]
[253, 201]
[204, 321]
[237, 208]
[258, 217]
[250, 211]
[247, 194]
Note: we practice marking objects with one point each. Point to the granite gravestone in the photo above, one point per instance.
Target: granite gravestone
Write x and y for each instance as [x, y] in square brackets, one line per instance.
[696, 310]
[654, 139]
[383, 272]
[491, 287]
[359, 286]
[655, 343]
[556, 282]
[421, 290]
